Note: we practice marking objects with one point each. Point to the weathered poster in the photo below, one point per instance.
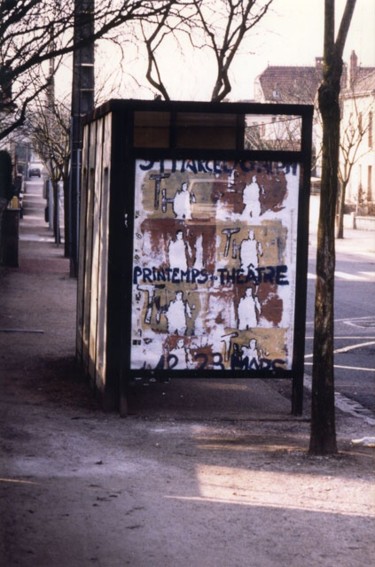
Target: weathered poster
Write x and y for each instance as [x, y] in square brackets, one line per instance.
[214, 265]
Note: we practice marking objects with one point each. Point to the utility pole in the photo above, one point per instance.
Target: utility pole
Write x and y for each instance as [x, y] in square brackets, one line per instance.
[52, 187]
[82, 102]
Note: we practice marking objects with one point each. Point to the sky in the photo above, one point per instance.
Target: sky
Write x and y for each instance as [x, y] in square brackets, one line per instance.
[290, 34]
[294, 31]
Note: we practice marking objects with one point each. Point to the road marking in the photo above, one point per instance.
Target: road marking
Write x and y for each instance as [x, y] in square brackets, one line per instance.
[365, 318]
[347, 367]
[349, 338]
[362, 324]
[370, 275]
[350, 277]
[360, 277]
[354, 321]
[345, 349]
[353, 347]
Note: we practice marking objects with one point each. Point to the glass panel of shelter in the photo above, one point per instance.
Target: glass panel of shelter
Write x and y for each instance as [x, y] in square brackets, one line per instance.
[273, 132]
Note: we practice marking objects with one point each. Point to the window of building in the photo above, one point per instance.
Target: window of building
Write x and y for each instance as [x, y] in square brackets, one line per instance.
[370, 122]
[369, 183]
[360, 128]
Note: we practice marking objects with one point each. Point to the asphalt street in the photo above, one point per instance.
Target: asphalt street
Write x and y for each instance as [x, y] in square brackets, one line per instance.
[354, 317]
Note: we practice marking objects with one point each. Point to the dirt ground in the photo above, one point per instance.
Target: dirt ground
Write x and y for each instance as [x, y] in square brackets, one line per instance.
[205, 474]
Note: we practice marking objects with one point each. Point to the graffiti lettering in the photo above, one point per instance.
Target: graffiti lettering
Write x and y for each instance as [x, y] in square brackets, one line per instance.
[215, 361]
[173, 275]
[172, 361]
[269, 274]
[216, 166]
[254, 364]
[201, 356]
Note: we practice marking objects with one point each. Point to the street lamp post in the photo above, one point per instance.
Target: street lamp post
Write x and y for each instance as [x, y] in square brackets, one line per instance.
[82, 102]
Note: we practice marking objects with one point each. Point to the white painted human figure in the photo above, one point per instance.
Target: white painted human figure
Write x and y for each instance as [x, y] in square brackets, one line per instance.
[178, 252]
[251, 201]
[177, 313]
[250, 251]
[182, 202]
[250, 355]
[198, 263]
[248, 310]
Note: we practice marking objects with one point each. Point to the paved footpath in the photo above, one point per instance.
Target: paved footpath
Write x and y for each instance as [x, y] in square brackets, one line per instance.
[202, 474]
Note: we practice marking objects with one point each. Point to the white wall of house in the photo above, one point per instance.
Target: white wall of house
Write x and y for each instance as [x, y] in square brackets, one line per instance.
[358, 112]
[359, 100]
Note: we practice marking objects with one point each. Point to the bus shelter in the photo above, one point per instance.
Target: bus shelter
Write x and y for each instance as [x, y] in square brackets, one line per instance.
[193, 244]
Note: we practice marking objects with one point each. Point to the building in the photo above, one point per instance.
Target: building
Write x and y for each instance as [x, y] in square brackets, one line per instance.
[289, 84]
[357, 155]
[299, 85]
[292, 85]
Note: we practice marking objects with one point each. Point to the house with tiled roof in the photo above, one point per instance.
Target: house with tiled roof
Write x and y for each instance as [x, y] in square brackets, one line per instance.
[287, 84]
[357, 152]
[292, 85]
[299, 85]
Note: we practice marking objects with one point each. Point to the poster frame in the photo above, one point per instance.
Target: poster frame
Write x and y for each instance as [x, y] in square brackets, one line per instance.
[295, 374]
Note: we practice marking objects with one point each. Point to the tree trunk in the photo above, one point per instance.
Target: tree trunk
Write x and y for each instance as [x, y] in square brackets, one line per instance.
[323, 431]
[56, 215]
[340, 213]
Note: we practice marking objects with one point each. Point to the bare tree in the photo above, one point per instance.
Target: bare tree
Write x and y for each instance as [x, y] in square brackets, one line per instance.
[169, 22]
[323, 429]
[225, 26]
[29, 28]
[48, 128]
[353, 132]
[216, 26]
[274, 133]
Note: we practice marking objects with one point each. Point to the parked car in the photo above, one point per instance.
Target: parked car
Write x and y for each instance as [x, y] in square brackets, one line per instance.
[34, 172]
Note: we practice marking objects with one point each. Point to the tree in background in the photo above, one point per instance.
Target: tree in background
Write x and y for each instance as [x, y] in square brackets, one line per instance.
[323, 429]
[217, 27]
[48, 128]
[34, 31]
[274, 133]
[356, 125]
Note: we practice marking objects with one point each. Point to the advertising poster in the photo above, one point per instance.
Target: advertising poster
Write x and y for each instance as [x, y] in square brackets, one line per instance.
[214, 265]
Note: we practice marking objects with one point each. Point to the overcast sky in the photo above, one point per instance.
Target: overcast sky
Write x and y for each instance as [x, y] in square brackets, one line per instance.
[290, 34]
[294, 31]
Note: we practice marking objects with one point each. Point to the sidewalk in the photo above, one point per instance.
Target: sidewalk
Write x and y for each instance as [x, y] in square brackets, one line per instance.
[354, 241]
[37, 316]
[203, 474]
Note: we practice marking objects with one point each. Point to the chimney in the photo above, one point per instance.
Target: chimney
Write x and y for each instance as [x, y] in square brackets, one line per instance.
[353, 69]
[319, 64]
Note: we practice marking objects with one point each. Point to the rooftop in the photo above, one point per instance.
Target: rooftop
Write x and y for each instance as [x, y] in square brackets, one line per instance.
[296, 84]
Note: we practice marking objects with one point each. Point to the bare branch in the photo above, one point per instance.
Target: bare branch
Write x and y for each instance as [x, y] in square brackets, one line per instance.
[34, 31]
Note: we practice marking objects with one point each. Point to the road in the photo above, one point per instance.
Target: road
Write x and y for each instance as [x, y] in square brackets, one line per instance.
[354, 326]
